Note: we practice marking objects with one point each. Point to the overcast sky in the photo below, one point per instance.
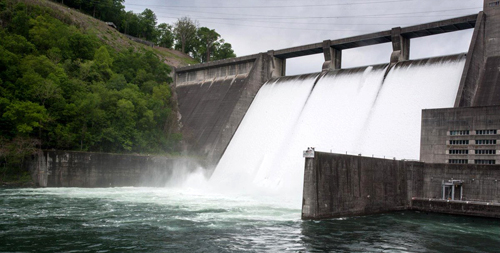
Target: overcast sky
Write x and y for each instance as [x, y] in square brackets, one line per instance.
[261, 25]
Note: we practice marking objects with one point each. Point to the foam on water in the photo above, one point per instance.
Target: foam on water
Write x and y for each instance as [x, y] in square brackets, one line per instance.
[358, 111]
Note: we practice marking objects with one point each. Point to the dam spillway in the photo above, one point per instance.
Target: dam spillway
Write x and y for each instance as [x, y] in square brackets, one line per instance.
[369, 111]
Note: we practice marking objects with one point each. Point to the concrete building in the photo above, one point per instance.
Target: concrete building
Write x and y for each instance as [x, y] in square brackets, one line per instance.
[468, 135]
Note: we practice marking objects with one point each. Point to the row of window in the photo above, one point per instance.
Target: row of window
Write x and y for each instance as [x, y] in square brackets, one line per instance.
[486, 142]
[458, 161]
[477, 152]
[486, 132]
[484, 161]
[459, 142]
[478, 142]
[465, 161]
[478, 132]
[459, 151]
[486, 152]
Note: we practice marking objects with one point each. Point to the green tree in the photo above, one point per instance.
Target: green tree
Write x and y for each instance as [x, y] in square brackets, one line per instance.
[103, 63]
[185, 33]
[207, 39]
[26, 116]
[223, 50]
[165, 36]
[148, 24]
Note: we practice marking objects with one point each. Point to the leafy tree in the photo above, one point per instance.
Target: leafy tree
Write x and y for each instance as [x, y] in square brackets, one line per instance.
[148, 24]
[103, 63]
[26, 116]
[207, 38]
[185, 33]
[223, 50]
[165, 36]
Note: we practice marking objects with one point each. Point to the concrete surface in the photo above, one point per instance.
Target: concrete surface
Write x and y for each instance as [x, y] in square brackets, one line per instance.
[338, 185]
[83, 169]
[436, 126]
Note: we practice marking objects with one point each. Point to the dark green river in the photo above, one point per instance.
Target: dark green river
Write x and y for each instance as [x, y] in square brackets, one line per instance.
[175, 220]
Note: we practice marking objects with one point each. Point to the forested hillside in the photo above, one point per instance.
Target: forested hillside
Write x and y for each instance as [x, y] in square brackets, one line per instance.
[63, 87]
[185, 35]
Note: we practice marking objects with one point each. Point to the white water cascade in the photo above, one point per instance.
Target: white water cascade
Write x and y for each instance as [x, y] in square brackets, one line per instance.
[355, 111]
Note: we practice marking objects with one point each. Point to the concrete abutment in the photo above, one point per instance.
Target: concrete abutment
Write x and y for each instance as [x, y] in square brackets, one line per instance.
[338, 185]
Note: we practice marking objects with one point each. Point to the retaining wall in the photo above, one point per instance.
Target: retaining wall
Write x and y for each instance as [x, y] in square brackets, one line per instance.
[341, 185]
[83, 169]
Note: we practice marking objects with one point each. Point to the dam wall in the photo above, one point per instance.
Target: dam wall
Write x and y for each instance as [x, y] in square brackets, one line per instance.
[341, 185]
[215, 96]
[85, 169]
[213, 99]
[480, 85]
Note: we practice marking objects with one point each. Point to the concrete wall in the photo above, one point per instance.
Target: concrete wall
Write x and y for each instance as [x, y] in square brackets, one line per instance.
[480, 182]
[341, 185]
[480, 209]
[480, 84]
[213, 99]
[437, 125]
[82, 169]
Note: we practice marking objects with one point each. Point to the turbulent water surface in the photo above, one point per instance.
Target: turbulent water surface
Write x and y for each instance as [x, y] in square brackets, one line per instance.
[175, 220]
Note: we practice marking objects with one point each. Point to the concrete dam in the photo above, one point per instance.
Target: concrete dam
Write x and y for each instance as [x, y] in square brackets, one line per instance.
[214, 97]
[418, 129]
[252, 123]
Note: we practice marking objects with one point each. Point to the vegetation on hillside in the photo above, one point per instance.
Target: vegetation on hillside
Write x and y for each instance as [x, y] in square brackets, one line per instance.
[64, 88]
[185, 35]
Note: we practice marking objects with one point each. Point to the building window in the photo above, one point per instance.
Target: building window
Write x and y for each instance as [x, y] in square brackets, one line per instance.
[479, 161]
[459, 142]
[458, 161]
[486, 142]
[493, 4]
[486, 132]
[459, 151]
[486, 152]
[459, 132]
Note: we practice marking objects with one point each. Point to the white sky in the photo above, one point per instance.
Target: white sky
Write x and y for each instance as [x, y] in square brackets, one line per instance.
[261, 25]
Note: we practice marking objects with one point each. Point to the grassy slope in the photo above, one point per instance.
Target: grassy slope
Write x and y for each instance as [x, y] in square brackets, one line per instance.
[110, 35]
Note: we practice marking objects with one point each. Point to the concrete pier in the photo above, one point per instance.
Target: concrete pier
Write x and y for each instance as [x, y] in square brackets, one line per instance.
[480, 84]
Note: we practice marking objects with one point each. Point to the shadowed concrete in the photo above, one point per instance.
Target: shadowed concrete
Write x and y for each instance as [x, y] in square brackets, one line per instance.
[85, 169]
[341, 185]
[480, 81]
[436, 137]
[214, 97]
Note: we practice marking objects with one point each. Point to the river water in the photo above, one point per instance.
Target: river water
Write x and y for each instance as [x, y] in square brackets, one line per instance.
[187, 220]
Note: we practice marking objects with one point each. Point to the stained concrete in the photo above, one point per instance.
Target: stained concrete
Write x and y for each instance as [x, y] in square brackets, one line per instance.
[84, 169]
[480, 80]
[213, 99]
[436, 126]
[341, 185]
[470, 208]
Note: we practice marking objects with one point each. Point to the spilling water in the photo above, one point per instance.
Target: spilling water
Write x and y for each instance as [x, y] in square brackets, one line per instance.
[368, 111]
